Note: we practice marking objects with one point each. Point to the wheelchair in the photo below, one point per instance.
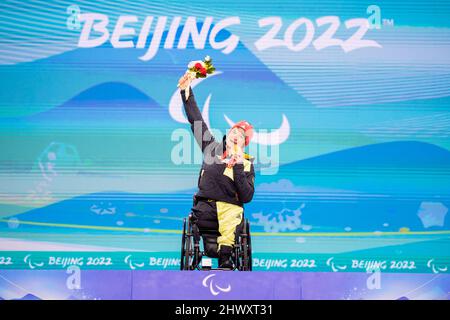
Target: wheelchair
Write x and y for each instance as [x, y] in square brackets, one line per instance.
[191, 253]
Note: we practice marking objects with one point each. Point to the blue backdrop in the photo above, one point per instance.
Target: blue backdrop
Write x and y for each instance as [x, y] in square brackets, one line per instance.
[355, 97]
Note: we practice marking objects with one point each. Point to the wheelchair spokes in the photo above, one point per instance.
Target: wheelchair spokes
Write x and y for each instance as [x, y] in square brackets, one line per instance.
[187, 247]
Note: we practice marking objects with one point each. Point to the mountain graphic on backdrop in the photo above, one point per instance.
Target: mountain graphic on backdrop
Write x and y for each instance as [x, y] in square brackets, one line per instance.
[369, 188]
[369, 166]
[106, 104]
[29, 296]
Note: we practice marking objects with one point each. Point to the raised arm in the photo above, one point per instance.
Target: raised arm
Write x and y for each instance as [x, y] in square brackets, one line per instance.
[199, 127]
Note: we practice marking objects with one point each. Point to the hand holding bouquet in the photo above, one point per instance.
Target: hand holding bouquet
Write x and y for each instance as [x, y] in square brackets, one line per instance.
[196, 69]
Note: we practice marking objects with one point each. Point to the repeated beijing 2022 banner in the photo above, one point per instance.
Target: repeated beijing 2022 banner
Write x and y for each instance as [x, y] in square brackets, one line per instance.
[350, 102]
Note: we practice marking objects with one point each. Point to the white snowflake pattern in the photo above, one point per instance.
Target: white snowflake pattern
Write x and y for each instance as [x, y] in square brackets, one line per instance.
[284, 220]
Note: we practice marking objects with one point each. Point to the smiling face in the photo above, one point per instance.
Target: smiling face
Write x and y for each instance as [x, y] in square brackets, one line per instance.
[236, 136]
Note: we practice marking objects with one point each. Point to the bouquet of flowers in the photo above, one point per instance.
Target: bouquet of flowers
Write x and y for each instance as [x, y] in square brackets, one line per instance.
[199, 69]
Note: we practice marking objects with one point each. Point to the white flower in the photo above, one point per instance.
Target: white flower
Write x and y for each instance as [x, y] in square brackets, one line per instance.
[207, 58]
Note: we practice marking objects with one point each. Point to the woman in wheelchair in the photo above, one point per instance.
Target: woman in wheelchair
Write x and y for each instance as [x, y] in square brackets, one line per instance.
[226, 179]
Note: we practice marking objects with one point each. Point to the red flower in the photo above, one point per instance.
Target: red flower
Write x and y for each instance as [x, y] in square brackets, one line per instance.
[198, 65]
[203, 71]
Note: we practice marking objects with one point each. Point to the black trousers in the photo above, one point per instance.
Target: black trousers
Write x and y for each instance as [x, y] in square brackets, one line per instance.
[204, 212]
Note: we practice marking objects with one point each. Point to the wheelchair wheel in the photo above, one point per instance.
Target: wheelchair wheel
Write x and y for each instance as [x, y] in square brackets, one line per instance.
[237, 257]
[250, 261]
[187, 246]
[246, 248]
[183, 242]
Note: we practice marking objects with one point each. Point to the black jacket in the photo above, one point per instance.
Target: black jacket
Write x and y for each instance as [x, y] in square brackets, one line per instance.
[233, 185]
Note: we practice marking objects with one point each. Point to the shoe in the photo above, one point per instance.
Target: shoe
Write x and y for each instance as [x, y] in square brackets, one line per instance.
[225, 257]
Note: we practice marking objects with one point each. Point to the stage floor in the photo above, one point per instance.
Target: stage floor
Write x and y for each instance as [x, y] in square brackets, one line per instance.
[74, 283]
